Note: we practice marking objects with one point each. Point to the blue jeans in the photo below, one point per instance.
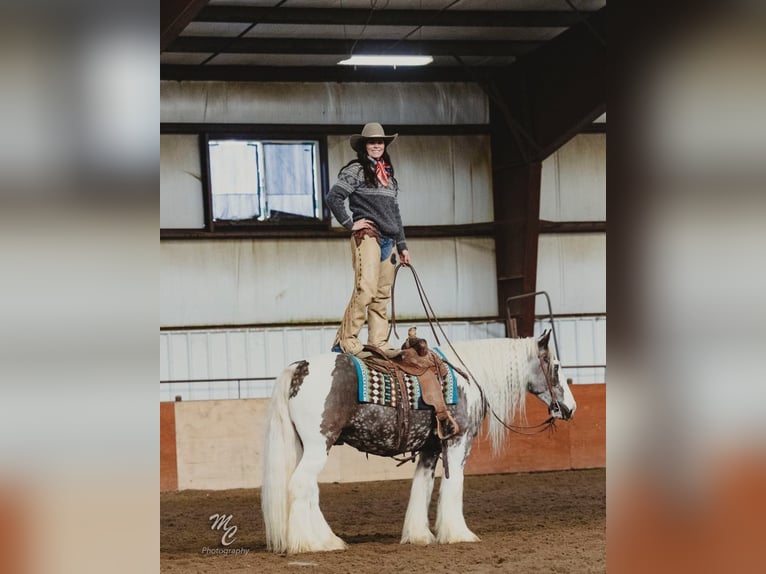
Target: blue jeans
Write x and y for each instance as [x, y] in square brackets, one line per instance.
[386, 247]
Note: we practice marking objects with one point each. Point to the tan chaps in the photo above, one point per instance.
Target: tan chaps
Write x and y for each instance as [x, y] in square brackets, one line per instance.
[372, 291]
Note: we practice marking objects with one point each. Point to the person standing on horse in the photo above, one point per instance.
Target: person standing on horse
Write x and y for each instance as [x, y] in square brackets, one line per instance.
[372, 191]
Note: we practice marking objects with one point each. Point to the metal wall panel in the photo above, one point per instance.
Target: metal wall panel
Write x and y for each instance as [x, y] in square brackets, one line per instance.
[573, 181]
[315, 103]
[582, 347]
[244, 354]
[443, 180]
[572, 269]
[180, 184]
[273, 281]
[199, 355]
[264, 352]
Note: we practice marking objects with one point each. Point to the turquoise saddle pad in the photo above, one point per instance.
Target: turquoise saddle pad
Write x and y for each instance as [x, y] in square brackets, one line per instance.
[377, 388]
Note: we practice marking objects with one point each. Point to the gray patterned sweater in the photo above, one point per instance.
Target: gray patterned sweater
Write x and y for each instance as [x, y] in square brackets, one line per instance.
[378, 204]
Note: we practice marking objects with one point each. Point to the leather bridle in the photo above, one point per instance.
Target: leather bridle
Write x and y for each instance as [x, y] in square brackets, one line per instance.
[550, 422]
[555, 407]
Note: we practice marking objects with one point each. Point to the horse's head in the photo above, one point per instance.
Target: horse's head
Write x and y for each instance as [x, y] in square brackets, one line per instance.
[546, 384]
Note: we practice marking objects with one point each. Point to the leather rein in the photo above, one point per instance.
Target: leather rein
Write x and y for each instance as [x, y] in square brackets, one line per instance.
[549, 423]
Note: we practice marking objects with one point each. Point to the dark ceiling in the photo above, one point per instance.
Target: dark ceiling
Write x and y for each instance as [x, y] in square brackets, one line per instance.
[303, 40]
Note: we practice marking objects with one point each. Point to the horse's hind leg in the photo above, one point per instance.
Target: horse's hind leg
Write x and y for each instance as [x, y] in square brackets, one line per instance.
[416, 529]
[450, 522]
[307, 529]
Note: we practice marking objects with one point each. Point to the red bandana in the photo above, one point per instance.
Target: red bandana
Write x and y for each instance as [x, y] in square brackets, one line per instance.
[380, 171]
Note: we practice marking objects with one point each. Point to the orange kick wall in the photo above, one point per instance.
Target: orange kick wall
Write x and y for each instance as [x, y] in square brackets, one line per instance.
[168, 458]
[18, 535]
[579, 443]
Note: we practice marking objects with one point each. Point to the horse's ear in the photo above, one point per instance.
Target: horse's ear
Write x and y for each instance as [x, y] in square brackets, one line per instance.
[542, 342]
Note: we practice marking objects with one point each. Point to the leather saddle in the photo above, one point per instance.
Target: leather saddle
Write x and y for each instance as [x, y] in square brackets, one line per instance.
[420, 361]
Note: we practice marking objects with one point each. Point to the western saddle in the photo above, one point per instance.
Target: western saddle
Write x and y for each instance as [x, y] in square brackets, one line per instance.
[419, 361]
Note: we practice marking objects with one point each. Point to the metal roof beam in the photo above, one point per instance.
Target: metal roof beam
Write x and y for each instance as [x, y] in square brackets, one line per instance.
[555, 92]
[208, 44]
[325, 73]
[360, 17]
[175, 15]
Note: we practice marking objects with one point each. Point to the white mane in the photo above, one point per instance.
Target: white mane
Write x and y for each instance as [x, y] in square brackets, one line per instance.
[501, 369]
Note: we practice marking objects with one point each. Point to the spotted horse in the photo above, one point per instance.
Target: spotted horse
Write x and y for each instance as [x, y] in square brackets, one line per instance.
[315, 406]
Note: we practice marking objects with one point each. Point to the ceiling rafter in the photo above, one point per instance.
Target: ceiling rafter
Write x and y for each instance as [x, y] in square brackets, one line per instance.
[347, 16]
[207, 44]
[560, 89]
[244, 73]
[175, 15]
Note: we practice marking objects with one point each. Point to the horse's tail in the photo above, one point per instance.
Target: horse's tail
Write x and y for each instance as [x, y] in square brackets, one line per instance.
[282, 451]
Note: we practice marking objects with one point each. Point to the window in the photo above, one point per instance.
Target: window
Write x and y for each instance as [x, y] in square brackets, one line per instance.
[264, 180]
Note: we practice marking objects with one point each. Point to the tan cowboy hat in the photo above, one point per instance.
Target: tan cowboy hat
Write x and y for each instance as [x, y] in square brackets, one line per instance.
[371, 131]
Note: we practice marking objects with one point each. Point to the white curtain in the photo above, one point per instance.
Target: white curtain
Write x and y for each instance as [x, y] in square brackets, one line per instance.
[234, 180]
[289, 177]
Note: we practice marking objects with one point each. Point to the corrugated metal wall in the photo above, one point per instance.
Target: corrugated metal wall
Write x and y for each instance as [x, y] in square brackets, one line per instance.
[573, 181]
[279, 281]
[571, 267]
[180, 182]
[582, 347]
[242, 363]
[243, 354]
[328, 103]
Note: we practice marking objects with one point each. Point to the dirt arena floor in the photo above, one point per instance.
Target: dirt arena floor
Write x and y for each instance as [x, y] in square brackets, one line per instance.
[552, 522]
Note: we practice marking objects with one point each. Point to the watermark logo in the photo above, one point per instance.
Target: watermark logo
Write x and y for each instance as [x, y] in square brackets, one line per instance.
[221, 523]
[225, 551]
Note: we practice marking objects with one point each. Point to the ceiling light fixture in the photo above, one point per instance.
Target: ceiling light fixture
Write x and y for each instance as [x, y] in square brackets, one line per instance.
[386, 61]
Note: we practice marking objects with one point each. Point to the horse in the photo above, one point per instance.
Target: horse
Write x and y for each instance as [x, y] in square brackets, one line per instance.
[315, 406]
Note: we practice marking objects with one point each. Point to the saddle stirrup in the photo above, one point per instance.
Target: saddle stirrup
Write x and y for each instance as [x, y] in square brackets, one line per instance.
[452, 427]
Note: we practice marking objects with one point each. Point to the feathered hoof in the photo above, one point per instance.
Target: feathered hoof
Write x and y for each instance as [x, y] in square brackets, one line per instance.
[419, 540]
[337, 544]
[327, 546]
[456, 538]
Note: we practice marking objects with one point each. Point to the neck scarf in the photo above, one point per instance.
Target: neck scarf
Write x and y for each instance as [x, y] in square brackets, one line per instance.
[381, 170]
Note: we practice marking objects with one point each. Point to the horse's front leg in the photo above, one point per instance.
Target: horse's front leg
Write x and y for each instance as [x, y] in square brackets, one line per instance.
[450, 522]
[416, 528]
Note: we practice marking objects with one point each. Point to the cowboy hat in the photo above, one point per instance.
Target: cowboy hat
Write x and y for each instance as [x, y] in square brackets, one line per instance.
[371, 131]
